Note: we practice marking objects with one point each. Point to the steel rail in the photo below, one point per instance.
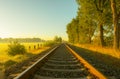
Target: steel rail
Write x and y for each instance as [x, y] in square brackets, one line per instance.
[30, 70]
[91, 69]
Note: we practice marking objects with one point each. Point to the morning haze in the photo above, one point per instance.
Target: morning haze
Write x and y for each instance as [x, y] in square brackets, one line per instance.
[39, 18]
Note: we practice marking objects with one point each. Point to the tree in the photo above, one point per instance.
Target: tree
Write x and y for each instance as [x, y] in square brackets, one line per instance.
[102, 7]
[87, 23]
[16, 48]
[57, 39]
[94, 21]
[73, 31]
[115, 23]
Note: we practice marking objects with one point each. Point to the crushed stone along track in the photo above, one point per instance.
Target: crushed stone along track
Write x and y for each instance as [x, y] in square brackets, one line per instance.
[61, 64]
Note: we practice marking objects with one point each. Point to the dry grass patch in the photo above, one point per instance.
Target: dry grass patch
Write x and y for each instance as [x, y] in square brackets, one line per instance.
[103, 50]
[106, 62]
[4, 57]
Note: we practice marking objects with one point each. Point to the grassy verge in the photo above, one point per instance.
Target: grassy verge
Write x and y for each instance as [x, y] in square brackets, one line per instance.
[106, 63]
[13, 64]
[103, 50]
[32, 50]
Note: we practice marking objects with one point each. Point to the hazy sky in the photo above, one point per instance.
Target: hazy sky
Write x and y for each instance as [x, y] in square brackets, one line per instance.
[36, 18]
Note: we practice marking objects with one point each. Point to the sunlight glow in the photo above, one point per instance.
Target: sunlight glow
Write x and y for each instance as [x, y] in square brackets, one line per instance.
[42, 18]
[4, 33]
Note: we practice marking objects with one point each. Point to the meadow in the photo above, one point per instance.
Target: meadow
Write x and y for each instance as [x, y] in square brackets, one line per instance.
[32, 49]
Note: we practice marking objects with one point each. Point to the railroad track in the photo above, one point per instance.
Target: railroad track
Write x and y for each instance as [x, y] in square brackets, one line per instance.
[61, 63]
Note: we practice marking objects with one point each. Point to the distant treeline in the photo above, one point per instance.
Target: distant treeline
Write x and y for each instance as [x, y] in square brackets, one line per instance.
[6, 40]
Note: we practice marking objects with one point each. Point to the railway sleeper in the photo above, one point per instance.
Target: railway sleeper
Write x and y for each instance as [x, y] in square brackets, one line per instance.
[43, 77]
[52, 64]
[62, 74]
[66, 59]
[72, 62]
[63, 66]
[63, 61]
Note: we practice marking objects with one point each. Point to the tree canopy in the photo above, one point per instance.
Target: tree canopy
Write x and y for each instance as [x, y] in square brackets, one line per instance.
[96, 22]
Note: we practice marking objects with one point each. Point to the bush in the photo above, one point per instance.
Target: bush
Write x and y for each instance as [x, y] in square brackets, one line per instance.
[49, 43]
[16, 48]
[9, 63]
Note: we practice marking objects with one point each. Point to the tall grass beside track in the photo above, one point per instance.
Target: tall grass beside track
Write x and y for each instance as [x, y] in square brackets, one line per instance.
[105, 59]
[32, 49]
[102, 50]
[6, 61]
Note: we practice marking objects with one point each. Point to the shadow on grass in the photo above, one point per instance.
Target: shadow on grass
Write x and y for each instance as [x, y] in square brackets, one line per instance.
[108, 65]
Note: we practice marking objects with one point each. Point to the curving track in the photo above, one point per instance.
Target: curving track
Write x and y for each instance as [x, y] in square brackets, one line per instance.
[61, 63]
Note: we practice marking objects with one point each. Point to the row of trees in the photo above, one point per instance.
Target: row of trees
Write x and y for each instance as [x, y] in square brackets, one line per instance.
[57, 39]
[97, 22]
[15, 48]
[4, 40]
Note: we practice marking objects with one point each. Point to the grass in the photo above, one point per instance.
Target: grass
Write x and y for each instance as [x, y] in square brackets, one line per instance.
[3, 52]
[33, 50]
[102, 50]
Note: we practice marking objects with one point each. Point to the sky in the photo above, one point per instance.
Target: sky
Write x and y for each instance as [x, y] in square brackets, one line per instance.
[36, 18]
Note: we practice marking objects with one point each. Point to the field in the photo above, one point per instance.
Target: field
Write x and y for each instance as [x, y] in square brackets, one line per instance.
[32, 49]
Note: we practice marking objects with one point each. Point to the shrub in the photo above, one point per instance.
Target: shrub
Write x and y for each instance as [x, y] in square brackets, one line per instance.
[9, 63]
[49, 43]
[16, 48]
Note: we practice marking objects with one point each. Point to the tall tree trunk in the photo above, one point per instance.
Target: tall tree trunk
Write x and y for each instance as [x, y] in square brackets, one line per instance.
[90, 35]
[118, 33]
[89, 39]
[77, 34]
[101, 35]
[115, 23]
[77, 37]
